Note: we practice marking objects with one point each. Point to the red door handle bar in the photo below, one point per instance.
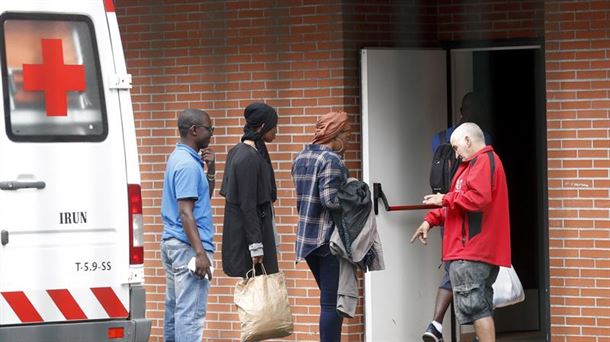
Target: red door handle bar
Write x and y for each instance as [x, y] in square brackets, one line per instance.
[379, 195]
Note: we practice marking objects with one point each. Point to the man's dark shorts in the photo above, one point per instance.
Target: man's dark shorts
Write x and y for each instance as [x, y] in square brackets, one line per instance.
[472, 291]
[446, 282]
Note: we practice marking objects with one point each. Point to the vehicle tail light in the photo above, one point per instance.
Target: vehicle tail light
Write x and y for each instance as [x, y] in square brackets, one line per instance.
[136, 229]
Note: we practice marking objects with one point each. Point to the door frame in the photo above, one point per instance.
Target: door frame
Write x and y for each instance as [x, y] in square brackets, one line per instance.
[541, 150]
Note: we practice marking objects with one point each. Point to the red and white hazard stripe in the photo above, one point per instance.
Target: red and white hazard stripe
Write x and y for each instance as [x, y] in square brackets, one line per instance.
[63, 305]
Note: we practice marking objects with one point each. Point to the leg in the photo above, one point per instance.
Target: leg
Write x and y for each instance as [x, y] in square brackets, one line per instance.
[170, 296]
[191, 304]
[313, 261]
[190, 294]
[485, 329]
[325, 268]
[444, 296]
[443, 299]
[473, 295]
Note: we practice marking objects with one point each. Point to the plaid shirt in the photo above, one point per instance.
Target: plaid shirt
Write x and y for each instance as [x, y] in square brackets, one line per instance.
[317, 172]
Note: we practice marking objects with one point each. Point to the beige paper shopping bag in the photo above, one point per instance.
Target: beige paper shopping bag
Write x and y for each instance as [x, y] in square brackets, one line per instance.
[263, 308]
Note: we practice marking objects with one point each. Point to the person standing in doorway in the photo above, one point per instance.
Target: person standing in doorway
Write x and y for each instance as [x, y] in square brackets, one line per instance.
[187, 227]
[318, 172]
[248, 185]
[470, 111]
[477, 229]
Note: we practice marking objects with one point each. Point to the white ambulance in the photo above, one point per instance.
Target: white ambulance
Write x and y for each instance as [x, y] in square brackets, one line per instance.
[71, 235]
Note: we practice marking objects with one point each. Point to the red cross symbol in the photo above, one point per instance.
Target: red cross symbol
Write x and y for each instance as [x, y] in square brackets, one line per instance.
[54, 77]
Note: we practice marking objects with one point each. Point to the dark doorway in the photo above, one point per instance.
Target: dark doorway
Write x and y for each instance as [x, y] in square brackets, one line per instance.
[510, 84]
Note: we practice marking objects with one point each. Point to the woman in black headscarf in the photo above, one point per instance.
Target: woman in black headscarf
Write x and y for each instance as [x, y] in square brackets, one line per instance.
[249, 189]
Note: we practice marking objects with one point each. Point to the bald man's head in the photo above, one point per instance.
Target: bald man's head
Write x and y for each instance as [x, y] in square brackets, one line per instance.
[471, 130]
[467, 139]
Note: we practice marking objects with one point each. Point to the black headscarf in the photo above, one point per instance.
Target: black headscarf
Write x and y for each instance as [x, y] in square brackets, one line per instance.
[259, 114]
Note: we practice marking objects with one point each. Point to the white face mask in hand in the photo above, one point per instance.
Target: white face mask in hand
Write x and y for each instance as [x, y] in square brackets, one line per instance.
[191, 266]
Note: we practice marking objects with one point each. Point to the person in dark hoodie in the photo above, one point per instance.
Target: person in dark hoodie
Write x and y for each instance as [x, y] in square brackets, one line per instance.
[318, 173]
[249, 189]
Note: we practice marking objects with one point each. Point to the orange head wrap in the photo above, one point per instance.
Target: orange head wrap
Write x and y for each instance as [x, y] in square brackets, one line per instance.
[329, 126]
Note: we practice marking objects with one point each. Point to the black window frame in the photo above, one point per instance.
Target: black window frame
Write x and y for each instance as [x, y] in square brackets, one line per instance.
[6, 93]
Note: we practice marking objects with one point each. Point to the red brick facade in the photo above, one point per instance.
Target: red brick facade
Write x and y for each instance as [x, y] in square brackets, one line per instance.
[577, 38]
[302, 58]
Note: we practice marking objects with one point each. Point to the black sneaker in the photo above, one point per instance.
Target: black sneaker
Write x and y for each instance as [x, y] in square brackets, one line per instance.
[432, 335]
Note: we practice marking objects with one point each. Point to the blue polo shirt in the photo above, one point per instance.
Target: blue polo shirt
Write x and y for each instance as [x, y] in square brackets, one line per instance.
[184, 178]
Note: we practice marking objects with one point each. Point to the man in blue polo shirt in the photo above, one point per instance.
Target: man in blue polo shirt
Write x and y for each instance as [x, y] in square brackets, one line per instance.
[187, 227]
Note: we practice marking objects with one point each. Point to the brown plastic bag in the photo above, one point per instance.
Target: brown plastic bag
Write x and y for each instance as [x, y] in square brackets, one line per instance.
[263, 308]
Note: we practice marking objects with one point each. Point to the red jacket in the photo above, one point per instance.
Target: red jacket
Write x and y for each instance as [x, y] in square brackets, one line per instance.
[475, 212]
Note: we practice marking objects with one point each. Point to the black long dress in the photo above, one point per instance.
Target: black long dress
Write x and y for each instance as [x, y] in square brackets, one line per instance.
[247, 188]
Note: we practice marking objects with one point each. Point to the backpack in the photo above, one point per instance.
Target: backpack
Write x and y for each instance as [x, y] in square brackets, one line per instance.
[444, 165]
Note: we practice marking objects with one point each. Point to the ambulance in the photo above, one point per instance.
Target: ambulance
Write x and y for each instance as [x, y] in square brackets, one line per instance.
[71, 234]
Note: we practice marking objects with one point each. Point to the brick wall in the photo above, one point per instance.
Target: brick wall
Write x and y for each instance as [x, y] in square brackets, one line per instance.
[577, 37]
[302, 57]
[220, 56]
[489, 20]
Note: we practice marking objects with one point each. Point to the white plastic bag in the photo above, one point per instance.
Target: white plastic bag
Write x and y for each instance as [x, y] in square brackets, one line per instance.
[507, 288]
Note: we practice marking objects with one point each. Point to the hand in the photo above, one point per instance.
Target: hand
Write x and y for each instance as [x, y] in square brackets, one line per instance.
[257, 259]
[435, 199]
[422, 233]
[209, 158]
[202, 266]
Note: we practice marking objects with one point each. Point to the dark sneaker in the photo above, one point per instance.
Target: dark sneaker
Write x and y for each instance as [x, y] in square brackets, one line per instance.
[432, 335]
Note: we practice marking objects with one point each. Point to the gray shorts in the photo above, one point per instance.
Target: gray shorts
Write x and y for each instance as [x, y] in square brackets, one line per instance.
[472, 291]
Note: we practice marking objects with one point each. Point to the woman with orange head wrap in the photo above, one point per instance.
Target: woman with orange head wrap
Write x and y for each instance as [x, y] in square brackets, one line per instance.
[318, 172]
[333, 129]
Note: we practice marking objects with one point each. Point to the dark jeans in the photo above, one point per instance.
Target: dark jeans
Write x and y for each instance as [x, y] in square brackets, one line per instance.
[325, 268]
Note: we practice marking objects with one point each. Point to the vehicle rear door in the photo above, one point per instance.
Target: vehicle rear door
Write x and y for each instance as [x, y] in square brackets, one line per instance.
[63, 188]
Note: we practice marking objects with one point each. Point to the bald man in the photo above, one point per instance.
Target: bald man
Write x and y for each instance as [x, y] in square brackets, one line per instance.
[477, 229]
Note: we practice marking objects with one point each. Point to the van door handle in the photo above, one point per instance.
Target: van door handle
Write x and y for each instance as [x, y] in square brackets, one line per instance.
[16, 185]
[4, 237]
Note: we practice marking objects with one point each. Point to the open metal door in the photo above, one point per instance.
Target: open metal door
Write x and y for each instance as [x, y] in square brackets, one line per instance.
[404, 104]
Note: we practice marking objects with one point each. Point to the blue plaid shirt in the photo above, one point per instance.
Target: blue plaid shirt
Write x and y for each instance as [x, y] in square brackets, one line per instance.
[317, 172]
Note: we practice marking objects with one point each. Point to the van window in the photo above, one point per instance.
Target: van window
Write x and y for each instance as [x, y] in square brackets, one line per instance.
[51, 79]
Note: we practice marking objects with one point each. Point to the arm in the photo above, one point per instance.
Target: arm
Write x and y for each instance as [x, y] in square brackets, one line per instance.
[186, 182]
[434, 217]
[202, 263]
[436, 141]
[247, 172]
[330, 178]
[209, 158]
[422, 233]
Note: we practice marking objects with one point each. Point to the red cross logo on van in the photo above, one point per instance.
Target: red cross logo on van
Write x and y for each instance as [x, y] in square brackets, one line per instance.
[54, 78]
